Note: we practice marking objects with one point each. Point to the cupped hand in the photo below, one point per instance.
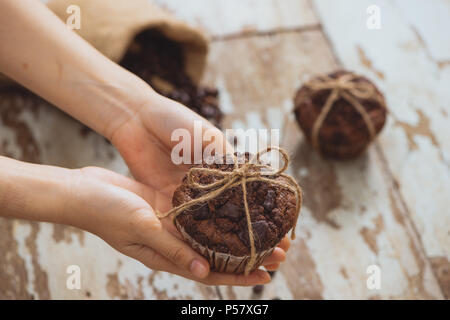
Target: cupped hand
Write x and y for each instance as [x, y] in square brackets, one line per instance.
[144, 141]
[113, 207]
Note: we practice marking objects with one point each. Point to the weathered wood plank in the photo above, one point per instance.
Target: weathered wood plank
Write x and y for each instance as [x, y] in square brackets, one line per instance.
[431, 21]
[350, 219]
[416, 140]
[226, 17]
[35, 256]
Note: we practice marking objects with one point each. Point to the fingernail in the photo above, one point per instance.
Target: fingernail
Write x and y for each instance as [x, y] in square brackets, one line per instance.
[199, 269]
[265, 277]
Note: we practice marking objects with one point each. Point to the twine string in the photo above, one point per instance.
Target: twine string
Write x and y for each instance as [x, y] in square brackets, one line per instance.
[343, 87]
[240, 176]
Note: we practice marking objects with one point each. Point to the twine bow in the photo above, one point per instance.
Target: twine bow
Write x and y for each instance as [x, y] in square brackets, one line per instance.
[343, 87]
[240, 176]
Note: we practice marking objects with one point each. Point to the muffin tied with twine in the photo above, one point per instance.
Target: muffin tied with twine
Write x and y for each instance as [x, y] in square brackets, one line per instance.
[340, 113]
[234, 210]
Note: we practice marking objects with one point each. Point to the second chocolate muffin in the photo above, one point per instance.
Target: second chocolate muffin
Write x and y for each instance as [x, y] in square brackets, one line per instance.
[343, 134]
[218, 228]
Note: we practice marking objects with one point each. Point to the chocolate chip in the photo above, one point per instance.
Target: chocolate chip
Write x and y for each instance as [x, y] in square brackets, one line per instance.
[269, 201]
[243, 236]
[184, 97]
[260, 229]
[208, 111]
[231, 211]
[277, 217]
[201, 92]
[201, 213]
[256, 211]
[258, 289]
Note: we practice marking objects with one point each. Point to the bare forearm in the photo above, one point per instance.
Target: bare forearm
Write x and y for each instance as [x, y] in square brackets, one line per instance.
[41, 53]
[32, 192]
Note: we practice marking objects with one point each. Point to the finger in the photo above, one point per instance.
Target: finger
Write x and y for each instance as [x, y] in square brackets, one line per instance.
[254, 278]
[149, 257]
[278, 255]
[169, 225]
[218, 279]
[150, 195]
[214, 137]
[153, 260]
[182, 117]
[285, 243]
[178, 252]
[272, 267]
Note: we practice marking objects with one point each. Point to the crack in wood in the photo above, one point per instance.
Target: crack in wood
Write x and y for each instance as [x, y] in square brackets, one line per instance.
[441, 64]
[250, 33]
[403, 216]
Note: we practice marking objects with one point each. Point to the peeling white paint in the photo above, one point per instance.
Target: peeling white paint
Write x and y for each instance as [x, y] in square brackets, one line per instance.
[225, 102]
[21, 231]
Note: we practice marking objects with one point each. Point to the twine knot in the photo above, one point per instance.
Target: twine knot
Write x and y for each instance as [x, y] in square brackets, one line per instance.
[250, 171]
[347, 88]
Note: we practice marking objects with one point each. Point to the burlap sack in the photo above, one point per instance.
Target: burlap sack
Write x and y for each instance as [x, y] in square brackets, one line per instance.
[111, 25]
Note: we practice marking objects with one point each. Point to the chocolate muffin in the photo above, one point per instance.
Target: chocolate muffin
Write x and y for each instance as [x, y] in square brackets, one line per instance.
[343, 134]
[218, 228]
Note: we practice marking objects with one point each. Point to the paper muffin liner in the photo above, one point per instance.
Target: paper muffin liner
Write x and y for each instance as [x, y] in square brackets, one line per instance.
[224, 262]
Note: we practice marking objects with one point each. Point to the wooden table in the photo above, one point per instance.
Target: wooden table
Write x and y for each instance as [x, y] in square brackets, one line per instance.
[388, 208]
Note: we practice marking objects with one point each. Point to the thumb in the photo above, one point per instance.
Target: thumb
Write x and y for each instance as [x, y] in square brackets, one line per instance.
[179, 253]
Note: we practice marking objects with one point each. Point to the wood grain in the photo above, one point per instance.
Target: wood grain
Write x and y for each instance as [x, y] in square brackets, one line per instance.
[236, 17]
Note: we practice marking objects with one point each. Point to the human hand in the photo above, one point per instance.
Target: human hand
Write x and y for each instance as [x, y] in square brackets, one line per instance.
[144, 140]
[113, 207]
